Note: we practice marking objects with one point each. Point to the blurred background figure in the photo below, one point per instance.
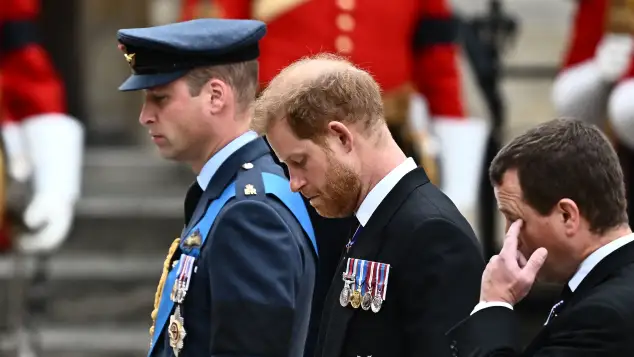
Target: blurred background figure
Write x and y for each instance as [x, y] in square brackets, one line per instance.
[42, 147]
[596, 83]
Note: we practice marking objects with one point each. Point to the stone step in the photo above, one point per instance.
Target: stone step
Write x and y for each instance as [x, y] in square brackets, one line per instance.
[132, 172]
[133, 233]
[79, 341]
[88, 302]
[85, 290]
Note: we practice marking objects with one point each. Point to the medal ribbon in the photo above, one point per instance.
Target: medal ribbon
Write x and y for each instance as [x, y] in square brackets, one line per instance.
[380, 279]
[349, 267]
[387, 276]
[370, 279]
[377, 280]
[354, 272]
[359, 277]
[184, 273]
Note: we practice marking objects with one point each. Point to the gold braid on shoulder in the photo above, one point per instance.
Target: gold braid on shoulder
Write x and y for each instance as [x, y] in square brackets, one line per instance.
[161, 284]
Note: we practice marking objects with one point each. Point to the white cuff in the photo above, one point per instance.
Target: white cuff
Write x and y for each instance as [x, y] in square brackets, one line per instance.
[484, 304]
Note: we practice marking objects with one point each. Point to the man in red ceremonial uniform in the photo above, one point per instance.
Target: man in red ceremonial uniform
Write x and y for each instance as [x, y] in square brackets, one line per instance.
[43, 144]
[408, 46]
[598, 71]
[43, 149]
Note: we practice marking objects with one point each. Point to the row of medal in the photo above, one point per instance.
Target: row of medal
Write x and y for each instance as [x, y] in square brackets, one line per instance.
[176, 327]
[364, 284]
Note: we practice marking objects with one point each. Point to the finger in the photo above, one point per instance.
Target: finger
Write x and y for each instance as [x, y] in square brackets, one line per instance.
[521, 259]
[509, 248]
[534, 264]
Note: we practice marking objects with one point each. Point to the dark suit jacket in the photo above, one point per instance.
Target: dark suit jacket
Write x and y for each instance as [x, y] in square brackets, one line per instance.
[251, 295]
[434, 282]
[596, 320]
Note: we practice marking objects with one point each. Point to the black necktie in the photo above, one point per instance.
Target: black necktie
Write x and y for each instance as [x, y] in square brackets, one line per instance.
[191, 200]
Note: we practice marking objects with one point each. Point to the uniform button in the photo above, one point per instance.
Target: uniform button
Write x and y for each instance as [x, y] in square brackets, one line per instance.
[347, 5]
[343, 44]
[345, 22]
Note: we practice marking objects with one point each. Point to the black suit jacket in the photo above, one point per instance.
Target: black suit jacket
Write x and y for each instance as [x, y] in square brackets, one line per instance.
[434, 281]
[596, 320]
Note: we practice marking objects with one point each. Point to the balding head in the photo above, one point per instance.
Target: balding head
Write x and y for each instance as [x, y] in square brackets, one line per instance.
[315, 91]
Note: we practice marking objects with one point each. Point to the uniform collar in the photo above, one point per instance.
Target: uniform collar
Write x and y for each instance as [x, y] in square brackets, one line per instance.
[211, 167]
[378, 193]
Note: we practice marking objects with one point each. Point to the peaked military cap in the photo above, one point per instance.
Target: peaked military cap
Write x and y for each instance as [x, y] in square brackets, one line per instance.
[161, 54]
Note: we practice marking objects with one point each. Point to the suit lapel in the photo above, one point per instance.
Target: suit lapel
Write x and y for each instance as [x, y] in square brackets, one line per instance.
[601, 272]
[223, 177]
[370, 238]
[367, 247]
[607, 266]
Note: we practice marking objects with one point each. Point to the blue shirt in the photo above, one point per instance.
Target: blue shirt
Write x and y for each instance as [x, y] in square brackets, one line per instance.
[214, 163]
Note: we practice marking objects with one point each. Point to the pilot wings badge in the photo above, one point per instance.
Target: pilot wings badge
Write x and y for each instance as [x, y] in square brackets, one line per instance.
[193, 241]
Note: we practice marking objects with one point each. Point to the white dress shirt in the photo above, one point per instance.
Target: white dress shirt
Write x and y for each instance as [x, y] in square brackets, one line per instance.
[209, 170]
[584, 269]
[378, 193]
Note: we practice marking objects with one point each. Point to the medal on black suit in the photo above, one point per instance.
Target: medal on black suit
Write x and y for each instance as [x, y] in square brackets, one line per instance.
[383, 273]
[366, 301]
[355, 299]
[348, 280]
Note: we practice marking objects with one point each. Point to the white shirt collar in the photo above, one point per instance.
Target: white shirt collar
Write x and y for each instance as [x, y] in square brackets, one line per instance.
[378, 193]
[209, 170]
[593, 259]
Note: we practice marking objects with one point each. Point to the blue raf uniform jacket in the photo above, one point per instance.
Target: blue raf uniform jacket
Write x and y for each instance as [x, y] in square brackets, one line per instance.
[251, 287]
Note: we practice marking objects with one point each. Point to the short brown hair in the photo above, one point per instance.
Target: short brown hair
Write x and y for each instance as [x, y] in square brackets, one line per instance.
[241, 76]
[316, 90]
[566, 158]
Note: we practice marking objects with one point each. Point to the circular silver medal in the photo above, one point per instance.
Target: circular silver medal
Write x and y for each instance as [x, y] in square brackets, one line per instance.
[344, 297]
[376, 304]
[366, 301]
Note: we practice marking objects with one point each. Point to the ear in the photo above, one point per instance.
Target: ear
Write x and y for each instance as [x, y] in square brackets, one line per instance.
[219, 95]
[570, 216]
[343, 136]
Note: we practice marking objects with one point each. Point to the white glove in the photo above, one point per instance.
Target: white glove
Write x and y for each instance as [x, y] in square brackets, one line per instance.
[462, 149]
[613, 56]
[19, 165]
[621, 112]
[55, 145]
[50, 221]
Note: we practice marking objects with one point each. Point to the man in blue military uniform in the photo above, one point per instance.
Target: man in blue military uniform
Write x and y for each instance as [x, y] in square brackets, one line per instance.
[240, 281]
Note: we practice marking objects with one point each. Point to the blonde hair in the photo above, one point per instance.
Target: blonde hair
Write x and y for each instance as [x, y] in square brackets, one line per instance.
[316, 90]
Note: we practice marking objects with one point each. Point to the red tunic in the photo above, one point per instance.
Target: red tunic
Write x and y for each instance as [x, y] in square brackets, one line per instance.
[588, 29]
[404, 43]
[31, 85]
